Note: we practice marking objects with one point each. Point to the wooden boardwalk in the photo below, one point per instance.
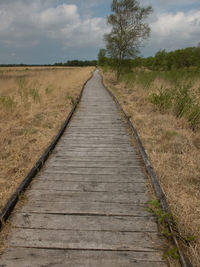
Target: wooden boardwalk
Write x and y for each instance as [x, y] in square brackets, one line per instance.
[87, 206]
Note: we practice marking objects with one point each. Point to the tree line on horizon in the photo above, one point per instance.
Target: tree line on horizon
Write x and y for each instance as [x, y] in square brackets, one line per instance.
[163, 60]
[69, 63]
[77, 63]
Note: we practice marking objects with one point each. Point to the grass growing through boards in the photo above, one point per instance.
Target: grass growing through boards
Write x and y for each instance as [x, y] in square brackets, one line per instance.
[34, 102]
[164, 106]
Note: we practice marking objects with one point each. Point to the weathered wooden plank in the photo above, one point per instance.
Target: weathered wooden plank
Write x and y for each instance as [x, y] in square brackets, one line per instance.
[95, 170]
[94, 153]
[86, 208]
[111, 125]
[104, 197]
[96, 136]
[89, 135]
[73, 164]
[100, 148]
[94, 123]
[86, 158]
[94, 240]
[89, 147]
[88, 186]
[107, 161]
[97, 131]
[20, 257]
[97, 143]
[97, 128]
[58, 176]
[97, 120]
[84, 223]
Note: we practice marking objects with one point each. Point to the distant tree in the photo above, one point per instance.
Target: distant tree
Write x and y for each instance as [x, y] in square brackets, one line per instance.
[102, 57]
[128, 31]
[148, 62]
[160, 59]
[77, 63]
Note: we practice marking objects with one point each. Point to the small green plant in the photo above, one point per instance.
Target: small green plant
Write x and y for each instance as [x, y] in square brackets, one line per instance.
[47, 125]
[33, 91]
[170, 134]
[26, 131]
[163, 218]
[105, 68]
[171, 252]
[7, 102]
[166, 232]
[129, 78]
[70, 98]
[145, 78]
[49, 90]
[23, 89]
[182, 101]
[189, 238]
[193, 116]
[162, 99]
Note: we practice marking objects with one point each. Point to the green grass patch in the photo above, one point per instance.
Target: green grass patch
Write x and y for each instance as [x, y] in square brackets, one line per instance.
[162, 99]
[70, 98]
[143, 78]
[7, 102]
[193, 116]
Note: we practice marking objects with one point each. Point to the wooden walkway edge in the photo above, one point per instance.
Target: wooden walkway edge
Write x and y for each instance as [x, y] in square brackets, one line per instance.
[87, 206]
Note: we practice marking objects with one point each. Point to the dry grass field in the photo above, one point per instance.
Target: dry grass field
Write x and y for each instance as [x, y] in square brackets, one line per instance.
[34, 102]
[174, 150]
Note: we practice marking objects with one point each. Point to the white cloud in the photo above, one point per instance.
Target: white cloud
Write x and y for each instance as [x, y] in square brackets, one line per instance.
[172, 31]
[62, 23]
[65, 24]
[169, 3]
[86, 33]
[72, 26]
[58, 16]
[5, 20]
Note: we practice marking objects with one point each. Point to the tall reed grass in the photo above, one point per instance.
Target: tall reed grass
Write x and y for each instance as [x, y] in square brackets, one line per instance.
[181, 98]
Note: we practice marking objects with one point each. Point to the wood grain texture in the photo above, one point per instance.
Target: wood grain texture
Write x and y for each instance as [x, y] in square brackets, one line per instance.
[71, 258]
[87, 206]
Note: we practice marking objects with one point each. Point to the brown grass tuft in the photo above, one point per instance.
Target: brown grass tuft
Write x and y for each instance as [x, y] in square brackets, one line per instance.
[42, 99]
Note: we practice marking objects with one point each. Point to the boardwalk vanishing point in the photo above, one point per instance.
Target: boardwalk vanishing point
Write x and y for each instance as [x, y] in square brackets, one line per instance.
[87, 207]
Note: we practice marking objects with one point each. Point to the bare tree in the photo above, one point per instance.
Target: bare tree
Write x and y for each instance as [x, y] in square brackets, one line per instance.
[128, 31]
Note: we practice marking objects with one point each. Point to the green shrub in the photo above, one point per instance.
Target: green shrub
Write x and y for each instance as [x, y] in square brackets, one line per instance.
[182, 100]
[162, 99]
[194, 116]
[105, 68]
[129, 78]
[145, 79]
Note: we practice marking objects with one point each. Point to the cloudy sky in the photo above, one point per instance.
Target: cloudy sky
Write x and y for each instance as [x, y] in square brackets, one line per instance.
[49, 31]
